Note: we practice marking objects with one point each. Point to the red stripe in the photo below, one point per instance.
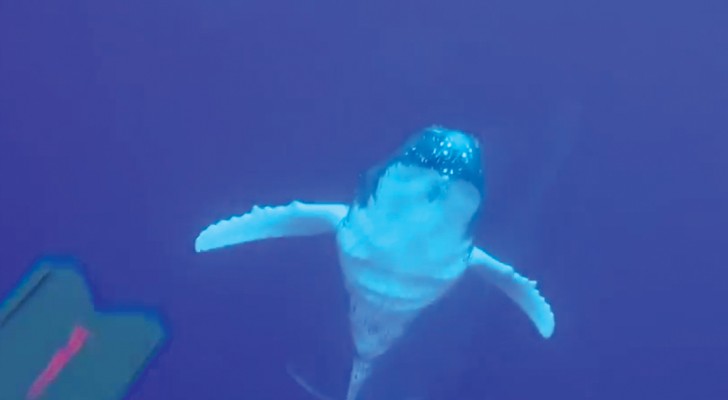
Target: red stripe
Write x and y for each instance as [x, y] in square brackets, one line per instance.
[58, 362]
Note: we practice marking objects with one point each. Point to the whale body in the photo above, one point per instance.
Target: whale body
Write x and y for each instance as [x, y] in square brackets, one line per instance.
[403, 243]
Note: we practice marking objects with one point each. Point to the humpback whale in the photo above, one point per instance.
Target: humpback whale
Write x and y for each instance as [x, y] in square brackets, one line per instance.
[403, 243]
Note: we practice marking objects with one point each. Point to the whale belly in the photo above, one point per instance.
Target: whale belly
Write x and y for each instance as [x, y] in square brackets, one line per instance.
[393, 286]
[392, 272]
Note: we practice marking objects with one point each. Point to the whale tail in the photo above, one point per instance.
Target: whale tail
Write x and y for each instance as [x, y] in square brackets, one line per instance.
[305, 384]
[360, 371]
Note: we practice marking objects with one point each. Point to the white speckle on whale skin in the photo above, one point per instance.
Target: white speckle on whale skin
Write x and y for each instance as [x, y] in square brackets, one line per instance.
[453, 154]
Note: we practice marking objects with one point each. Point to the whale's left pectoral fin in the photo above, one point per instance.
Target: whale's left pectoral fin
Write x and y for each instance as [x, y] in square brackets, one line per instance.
[294, 219]
[519, 288]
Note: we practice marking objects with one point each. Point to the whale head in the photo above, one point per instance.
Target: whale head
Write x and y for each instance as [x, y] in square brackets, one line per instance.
[437, 172]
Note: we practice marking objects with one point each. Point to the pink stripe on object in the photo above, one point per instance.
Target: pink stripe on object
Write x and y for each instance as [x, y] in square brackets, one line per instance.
[58, 362]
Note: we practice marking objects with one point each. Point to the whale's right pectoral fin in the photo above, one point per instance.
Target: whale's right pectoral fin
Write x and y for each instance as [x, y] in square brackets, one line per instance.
[294, 219]
[519, 288]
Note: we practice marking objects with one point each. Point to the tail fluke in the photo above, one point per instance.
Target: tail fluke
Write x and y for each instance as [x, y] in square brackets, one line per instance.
[305, 385]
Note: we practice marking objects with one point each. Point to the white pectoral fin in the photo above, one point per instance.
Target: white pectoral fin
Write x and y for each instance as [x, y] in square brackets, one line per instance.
[519, 288]
[294, 219]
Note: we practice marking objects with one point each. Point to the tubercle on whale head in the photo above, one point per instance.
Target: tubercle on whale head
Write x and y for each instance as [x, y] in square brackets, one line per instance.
[450, 152]
[453, 155]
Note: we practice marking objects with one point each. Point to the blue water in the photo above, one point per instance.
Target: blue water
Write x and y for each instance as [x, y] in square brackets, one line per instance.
[127, 127]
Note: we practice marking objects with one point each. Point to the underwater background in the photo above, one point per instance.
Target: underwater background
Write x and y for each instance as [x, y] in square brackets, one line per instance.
[127, 127]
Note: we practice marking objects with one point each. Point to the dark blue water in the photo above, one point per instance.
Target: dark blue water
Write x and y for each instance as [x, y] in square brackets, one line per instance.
[126, 127]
